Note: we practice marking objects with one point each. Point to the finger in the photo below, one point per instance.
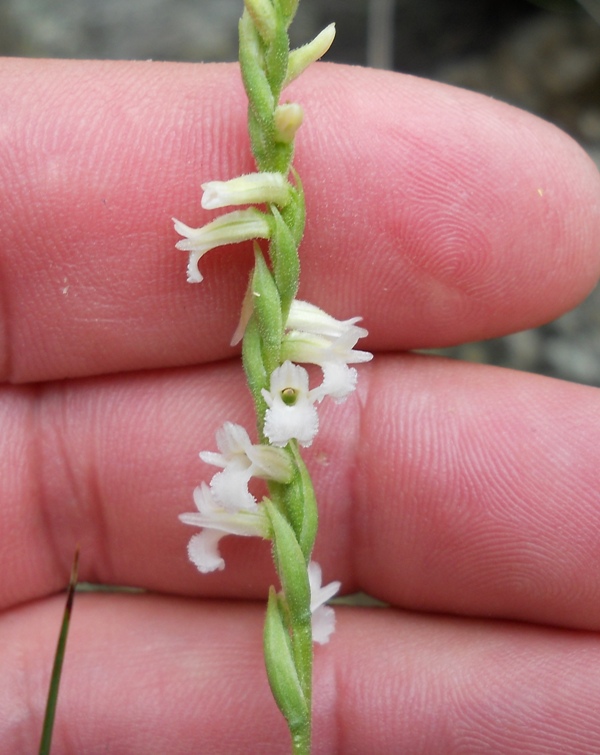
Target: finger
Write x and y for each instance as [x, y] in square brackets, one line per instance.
[436, 214]
[443, 486]
[150, 674]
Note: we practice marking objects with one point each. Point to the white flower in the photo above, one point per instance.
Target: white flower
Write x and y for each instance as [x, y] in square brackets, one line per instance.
[291, 412]
[240, 225]
[241, 460]
[253, 188]
[310, 318]
[323, 617]
[217, 522]
[315, 337]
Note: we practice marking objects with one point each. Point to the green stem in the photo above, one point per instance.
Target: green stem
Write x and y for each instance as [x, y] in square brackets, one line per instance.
[264, 60]
[301, 743]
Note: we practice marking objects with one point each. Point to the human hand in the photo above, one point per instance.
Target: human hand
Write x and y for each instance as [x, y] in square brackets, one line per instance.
[467, 497]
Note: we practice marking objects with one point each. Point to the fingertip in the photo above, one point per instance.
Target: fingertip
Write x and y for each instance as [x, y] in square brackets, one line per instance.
[444, 215]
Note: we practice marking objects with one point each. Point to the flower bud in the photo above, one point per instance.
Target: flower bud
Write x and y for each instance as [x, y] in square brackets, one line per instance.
[288, 119]
[301, 58]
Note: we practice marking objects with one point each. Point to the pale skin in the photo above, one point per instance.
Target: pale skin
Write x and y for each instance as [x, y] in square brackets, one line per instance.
[467, 497]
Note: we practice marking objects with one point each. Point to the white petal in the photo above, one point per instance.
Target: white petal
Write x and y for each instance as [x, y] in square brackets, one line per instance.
[289, 376]
[339, 381]
[241, 457]
[282, 423]
[193, 275]
[248, 521]
[234, 444]
[230, 488]
[323, 624]
[302, 57]
[233, 439]
[210, 457]
[216, 521]
[319, 594]
[182, 229]
[203, 551]
[306, 347]
[323, 617]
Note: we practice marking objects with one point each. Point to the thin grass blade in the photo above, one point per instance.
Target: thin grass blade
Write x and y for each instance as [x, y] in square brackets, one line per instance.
[51, 701]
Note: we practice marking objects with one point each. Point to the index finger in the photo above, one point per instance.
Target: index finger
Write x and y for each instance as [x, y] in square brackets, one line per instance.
[437, 214]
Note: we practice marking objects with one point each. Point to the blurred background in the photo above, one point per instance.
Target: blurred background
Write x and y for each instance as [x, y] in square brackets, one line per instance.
[543, 56]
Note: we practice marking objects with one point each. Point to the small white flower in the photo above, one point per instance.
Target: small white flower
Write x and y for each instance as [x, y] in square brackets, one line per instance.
[240, 225]
[253, 188]
[241, 460]
[217, 522]
[291, 412]
[323, 616]
[314, 337]
[310, 318]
